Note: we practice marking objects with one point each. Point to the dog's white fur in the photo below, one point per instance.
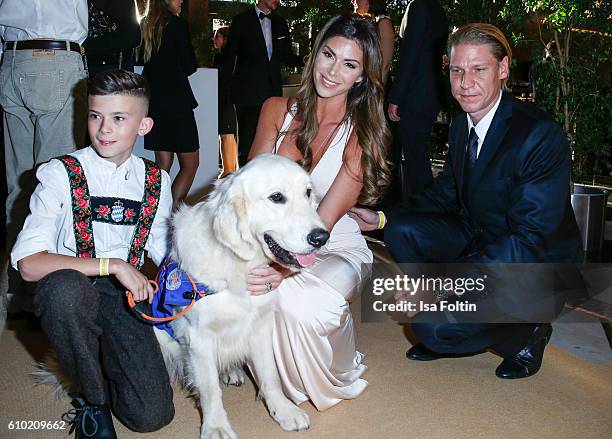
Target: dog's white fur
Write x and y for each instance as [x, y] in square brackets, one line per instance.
[218, 241]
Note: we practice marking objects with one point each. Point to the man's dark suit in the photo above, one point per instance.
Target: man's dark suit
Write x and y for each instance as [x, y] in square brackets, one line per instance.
[516, 209]
[255, 77]
[418, 84]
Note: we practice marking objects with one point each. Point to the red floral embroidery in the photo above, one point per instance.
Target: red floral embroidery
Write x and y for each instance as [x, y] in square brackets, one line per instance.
[144, 232]
[103, 210]
[147, 210]
[82, 226]
[86, 236]
[77, 170]
[82, 203]
[134, 261]
[69, 160]
[79, 192]
[138, 241]
[152, 178]
[152, 200]
[129, 213]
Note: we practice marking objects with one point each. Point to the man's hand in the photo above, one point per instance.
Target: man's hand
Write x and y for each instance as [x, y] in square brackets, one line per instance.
[132, 279]
[393, 113]
[366, 219]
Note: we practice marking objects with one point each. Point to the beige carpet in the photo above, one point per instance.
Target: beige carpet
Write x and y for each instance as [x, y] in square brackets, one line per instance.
[450, 398]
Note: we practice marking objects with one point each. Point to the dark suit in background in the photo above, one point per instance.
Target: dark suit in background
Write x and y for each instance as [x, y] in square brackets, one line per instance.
[417, 85]
[255, 77]
[515, 208]
[113, 34]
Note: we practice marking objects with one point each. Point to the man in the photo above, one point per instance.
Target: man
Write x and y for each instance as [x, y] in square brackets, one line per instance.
[44, 109]
[415, 97]
[258, 44]
[503, 197]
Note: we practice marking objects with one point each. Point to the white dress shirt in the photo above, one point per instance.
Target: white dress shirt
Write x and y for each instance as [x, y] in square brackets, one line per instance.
[43, 19]
[49, 227]
[266, 28]
[483, 125]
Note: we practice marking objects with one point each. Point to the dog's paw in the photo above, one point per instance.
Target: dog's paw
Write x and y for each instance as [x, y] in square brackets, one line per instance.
[217, 432]
[233, 376]
[290, 417]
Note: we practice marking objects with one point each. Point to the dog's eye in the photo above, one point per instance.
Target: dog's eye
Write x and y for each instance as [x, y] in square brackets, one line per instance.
[308, 192]
[277, 197]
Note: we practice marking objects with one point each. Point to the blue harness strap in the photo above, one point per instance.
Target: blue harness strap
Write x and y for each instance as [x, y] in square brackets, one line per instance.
[176, 289]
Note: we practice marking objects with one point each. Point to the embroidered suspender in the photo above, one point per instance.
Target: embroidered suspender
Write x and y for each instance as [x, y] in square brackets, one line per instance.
[81, 208]
[150, 202]
[82, 214]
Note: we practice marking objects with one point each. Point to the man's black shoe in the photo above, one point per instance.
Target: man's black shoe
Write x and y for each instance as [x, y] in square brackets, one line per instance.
[419, 352]
[528, 361]
[90, 421]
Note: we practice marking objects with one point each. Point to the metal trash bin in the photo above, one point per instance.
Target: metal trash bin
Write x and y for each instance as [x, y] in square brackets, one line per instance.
[589, 205]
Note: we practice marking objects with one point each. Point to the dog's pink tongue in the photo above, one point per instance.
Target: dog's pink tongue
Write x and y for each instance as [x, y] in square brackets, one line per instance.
[305, 260]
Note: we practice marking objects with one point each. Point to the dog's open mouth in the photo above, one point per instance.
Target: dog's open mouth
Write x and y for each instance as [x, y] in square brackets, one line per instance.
[288, 258]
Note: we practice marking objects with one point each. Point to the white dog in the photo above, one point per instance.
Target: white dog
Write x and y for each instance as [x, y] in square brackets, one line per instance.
[265, 212]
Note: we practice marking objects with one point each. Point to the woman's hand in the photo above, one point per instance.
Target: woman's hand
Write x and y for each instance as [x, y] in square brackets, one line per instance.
[132, 279]
[366, 219]
[262, 280]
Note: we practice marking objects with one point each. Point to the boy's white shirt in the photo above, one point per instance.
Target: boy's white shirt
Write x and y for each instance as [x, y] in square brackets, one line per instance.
[49, 226]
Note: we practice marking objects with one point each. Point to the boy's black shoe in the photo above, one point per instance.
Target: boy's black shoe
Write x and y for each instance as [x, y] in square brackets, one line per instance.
[90, 421]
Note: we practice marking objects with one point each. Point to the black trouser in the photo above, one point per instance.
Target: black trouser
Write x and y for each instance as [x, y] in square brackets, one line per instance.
[110, 356]
[414, 237]
[247, 117]
[415, 129]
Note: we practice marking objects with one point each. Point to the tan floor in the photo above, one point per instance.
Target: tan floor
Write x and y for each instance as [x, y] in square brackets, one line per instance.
[450, 398]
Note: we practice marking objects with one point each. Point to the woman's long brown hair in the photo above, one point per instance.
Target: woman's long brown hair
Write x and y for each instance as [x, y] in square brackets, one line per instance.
[364, 106]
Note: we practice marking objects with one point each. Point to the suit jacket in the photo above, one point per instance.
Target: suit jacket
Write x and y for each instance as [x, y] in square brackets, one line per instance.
[418, 82]
[518, 206]
[255, 77]
[519, 191]
[169, 68]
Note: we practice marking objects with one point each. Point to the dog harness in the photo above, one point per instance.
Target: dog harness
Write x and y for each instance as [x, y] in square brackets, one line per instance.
[176, 289]
[119, 211]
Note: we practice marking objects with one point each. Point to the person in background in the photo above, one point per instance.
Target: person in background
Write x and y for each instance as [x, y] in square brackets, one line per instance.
[384, 25]
[42, 93]
[416, 94]
[335, 127]
[113, 34]
[258, 45]
[227, 113]
[169, 60]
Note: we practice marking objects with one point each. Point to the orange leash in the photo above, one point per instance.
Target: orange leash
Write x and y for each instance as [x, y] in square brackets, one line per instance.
[195, 293]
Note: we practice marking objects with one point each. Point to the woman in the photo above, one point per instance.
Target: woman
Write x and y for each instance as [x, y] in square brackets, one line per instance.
[335, 127]
[376, 10]
[168, 61]
[227, 113]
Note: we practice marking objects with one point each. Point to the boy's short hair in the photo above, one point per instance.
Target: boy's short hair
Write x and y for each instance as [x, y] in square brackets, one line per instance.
[119, 82]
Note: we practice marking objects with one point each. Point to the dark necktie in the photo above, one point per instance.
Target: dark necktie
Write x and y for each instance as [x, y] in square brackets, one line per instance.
[469, 161]
[262, 16]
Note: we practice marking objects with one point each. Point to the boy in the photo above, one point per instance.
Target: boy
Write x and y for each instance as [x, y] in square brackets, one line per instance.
[91, 212]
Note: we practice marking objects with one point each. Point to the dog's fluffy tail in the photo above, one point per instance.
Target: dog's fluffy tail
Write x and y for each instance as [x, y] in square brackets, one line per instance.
[50, 373]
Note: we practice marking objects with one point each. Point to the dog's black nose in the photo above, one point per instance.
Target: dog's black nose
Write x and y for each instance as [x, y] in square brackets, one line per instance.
[318, 237]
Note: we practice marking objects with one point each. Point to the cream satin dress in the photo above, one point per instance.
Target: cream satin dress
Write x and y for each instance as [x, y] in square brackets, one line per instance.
[314, 336]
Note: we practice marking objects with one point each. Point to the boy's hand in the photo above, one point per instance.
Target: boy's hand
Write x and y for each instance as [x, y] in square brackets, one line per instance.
[132, 279]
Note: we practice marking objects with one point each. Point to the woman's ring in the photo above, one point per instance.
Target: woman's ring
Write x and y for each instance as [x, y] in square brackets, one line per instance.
[268, 287]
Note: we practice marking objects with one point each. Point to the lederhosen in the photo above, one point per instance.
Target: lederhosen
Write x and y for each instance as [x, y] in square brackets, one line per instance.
[120, 211]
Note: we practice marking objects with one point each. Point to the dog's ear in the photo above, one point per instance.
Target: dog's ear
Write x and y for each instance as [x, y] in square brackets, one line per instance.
[230, 224]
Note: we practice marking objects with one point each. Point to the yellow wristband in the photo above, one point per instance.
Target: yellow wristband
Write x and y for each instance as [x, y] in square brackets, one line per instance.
[104, 267]
[382, 220]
